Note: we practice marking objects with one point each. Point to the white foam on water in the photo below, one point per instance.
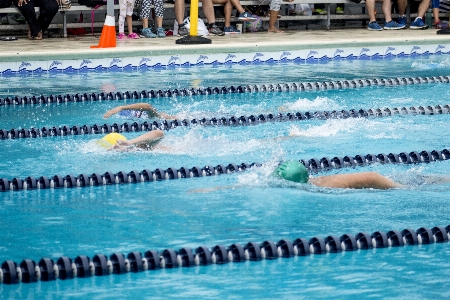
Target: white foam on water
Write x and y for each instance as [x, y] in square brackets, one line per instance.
[431, 65]
[303, 104]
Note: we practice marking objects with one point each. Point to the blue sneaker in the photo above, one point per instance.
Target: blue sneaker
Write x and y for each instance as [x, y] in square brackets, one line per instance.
[392, 25]
[160, 32]
[245, 16]
[231, 30]
[147, 32]
[402, 20]
[374, 26]
[418, 24]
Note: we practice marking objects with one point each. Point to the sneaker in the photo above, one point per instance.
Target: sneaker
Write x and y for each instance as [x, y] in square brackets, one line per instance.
[160, 32]
[392, 25]
[147, 32]
[216, 30]
[401, 20]
[320, 11]
[4, 20]
[374, 26]
[121, 36]
[133, 36]
[246, 17]
[418, 24]
[339, 10]
[231, 30]
[183, 31]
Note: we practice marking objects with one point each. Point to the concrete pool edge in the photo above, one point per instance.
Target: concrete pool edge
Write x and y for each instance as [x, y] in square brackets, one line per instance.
[74, 55]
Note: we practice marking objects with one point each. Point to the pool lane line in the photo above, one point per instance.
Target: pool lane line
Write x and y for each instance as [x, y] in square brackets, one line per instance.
[222, 121]
[28, 271]
[280, 87]
[313, 165]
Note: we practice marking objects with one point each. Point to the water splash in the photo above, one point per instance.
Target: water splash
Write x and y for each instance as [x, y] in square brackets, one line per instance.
[304, 104]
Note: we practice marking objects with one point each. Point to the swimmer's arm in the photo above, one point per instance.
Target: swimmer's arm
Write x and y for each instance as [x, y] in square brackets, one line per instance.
[147, 140]
[151, 111]
[366, 180]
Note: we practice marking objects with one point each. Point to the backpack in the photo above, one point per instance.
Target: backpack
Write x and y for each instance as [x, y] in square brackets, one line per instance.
[91, 3]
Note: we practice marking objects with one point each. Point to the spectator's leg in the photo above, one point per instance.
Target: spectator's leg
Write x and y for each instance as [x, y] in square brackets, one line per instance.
[122, 15]
[208, 11]
[227, 9]
[145, 12]
[27, 11]
[48, 10]
[386, 8]
[273, 17]
[179, 11]
[423, 8]
[370, 6]
[435, 6]
[159, 12]
[402, 6]
[238, 6]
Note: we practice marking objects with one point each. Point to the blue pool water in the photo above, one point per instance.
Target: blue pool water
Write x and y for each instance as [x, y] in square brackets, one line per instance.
[180, 213]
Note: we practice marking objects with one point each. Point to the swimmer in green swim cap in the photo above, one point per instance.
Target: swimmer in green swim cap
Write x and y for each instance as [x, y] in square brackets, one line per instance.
[295, 171]
[292, 170]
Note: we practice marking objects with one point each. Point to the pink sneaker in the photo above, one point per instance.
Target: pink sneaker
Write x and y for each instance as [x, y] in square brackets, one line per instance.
[133, 36]
[121, 36]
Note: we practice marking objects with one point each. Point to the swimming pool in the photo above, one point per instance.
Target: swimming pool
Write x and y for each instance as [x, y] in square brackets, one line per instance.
[173, 214]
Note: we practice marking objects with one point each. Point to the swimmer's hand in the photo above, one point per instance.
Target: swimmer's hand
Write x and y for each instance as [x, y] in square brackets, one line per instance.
[121, 145]
[113, 111]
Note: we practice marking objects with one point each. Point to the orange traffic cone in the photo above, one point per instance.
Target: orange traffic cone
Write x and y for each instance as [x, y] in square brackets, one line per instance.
[108, 36]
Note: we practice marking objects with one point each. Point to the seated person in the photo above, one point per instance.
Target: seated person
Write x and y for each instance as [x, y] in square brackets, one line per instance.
[389, 23]
[138, 110]
[208, 10]
[228, 8]
[418, 22]
[37, 25]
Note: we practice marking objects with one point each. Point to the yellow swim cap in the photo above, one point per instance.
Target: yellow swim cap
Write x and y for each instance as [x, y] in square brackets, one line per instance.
[110, 140]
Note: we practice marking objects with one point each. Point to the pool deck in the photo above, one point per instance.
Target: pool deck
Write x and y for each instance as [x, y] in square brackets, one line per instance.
[78, 47]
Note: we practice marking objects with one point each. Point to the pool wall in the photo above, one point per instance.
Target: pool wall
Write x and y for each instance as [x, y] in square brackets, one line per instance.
[127, 62]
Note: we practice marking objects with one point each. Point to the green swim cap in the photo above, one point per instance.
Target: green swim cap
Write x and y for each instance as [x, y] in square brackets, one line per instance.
[292, 170]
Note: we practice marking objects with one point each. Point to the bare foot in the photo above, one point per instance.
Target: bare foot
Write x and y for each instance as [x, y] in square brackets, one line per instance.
[275, 30]
[37, 37]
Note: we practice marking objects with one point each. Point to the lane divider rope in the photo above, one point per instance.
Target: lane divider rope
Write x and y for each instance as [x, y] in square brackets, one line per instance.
[281, 87]
[313, 165]
[223, 121]
[28, 271]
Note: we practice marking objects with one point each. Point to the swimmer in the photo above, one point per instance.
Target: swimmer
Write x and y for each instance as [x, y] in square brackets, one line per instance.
[146, 141]
[138, 110]
[295, 171]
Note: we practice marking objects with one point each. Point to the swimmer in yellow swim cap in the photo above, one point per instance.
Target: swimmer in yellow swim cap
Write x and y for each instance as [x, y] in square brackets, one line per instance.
[137, 110]
[116, 141]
